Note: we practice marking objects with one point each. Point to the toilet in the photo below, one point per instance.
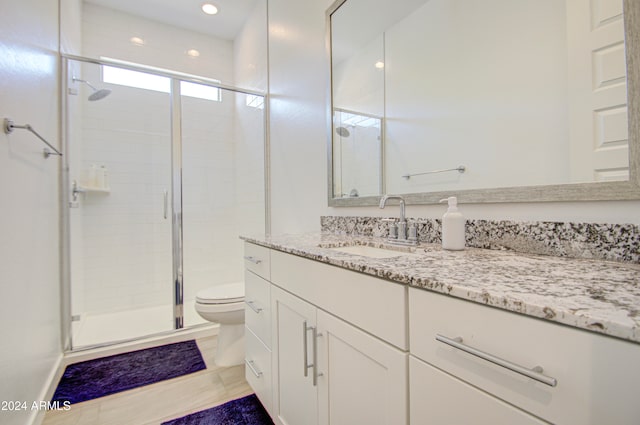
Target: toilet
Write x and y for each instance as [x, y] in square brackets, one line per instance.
[224, 304]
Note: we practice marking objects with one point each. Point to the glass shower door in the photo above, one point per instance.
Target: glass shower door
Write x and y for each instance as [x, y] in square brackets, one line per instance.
[223, 191]
[120, 218]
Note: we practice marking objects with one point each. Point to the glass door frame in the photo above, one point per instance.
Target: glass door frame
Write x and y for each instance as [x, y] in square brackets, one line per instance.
[176, 187]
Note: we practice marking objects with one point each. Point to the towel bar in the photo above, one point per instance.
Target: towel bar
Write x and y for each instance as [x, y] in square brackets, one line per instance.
[9, 126]
[460, 169]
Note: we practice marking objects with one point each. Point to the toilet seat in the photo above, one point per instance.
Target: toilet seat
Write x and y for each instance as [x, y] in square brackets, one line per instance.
[222, 294]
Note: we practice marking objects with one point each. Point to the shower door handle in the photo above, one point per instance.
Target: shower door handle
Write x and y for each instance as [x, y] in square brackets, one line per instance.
[166, 203]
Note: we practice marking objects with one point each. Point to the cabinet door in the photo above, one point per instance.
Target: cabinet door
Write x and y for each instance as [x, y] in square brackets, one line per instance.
[295, 396]
[441, 399]
[363, 381]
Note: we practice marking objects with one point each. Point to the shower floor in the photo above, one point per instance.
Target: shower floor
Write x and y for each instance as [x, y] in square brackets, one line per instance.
[94, 329]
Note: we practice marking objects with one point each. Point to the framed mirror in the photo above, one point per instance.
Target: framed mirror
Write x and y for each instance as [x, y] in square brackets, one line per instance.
[492, 101]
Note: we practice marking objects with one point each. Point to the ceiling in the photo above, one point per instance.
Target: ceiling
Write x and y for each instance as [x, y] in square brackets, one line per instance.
[188, 14]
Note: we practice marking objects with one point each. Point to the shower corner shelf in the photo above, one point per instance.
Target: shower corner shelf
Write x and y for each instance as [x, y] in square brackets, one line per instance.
[93, 189]
[78, 188]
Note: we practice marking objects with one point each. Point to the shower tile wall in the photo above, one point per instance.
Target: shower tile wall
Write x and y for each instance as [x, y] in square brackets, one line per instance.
[126, 257]
[208, 193]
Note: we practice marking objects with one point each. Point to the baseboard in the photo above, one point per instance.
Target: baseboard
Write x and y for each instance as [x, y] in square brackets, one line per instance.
[37, 416]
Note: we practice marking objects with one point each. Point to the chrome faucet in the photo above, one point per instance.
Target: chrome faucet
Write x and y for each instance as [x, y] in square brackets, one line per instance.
[402, 224]
[383, 202]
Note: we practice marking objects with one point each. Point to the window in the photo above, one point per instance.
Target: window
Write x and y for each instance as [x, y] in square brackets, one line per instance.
[347, 118]
[146, 81]
[254, 101]
[200, 91]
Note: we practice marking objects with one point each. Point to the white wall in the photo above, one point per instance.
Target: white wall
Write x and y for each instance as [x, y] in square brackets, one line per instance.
[250, 50]
[299, 74]
[250, 71]
[29, 224]
[299, 81]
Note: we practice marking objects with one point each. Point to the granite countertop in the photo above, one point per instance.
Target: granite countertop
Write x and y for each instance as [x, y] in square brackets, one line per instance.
[599, 296]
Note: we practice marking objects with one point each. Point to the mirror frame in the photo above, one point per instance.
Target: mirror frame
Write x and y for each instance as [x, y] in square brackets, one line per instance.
[594, 191]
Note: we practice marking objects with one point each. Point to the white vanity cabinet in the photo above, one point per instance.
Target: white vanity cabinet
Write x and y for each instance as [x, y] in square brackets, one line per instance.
[329, 372]
[258, 322]
[294, 390]
[338, 345]
[596, 377]
[364, 380]
[350, 348]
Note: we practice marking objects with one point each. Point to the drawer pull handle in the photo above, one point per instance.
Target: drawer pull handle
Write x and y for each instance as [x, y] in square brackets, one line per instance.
[251, 366]
[251, 304]
[253, 260]
[535, 373]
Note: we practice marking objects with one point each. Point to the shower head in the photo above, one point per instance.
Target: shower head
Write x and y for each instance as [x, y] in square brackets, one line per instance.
[97, 94]
[343, 132]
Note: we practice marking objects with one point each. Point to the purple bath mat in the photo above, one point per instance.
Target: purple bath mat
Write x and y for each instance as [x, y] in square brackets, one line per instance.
[109, 375]
[243, 411]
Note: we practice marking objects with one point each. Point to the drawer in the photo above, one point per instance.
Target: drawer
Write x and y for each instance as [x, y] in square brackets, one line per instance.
[257, 259]
[257, 312]
[375, 305]
[258, 368]
[597, 376]
[439, 398]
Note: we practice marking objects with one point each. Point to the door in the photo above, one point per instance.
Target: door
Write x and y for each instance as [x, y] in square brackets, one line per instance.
[364, 380]
[119, 171]
[597, 91]
[293, 343]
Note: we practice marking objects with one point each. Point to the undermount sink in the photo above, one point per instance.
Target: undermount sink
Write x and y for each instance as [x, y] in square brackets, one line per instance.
[369, 251]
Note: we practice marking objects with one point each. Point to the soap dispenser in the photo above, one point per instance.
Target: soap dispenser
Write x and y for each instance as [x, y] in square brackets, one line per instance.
[453, 223]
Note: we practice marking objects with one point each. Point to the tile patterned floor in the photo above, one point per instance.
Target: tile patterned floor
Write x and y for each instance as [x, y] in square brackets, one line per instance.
[156, 403]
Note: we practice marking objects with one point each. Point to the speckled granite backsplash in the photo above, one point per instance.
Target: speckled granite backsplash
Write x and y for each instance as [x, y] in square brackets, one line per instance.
[614, 242]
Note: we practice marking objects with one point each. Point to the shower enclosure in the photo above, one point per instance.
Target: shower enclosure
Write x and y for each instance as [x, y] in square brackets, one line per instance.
[161, 175]
[357, 154]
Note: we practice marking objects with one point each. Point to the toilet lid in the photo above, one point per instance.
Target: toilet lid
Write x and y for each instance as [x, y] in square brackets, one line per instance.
[222, 294]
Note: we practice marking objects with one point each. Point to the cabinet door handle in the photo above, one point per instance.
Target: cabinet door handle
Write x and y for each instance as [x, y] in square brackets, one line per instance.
[535, 373]
[166, 204]
[253, 260]
[252, 367]
[251, 304]
[305, 358]
[314, 331]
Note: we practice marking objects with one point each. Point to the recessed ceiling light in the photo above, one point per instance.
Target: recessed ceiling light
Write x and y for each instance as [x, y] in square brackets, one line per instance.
[379, 64]
[137, 41]
[193, 53]
[209, 9]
